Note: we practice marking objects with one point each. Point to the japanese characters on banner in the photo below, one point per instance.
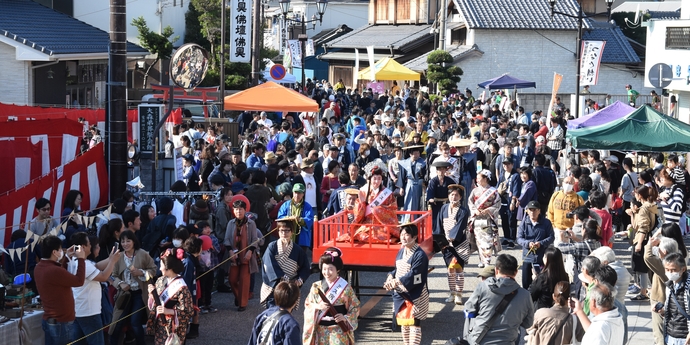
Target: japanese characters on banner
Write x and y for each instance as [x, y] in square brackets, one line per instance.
[241, 31]
[295, 49]
[590, 61]
[149, 116]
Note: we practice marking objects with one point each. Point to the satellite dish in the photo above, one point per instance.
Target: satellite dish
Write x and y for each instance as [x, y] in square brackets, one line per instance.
[660, 75]
[188, 66]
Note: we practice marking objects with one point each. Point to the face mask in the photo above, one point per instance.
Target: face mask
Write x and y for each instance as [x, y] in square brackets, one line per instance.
[568, 187]
[655, 251]
[177, 243]
[673, 276]
[366, 153]
[130, 204]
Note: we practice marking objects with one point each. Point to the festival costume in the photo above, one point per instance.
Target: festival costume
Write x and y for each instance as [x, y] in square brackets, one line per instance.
[175, 295]
[239, 235]
[454, 172]
[411, 178]
[282, 263]
[411, 269]
[305, 214]
[319, 326]
[484, 227]
[452, 223]
[437, 195]
[286, 330]
[376, 216]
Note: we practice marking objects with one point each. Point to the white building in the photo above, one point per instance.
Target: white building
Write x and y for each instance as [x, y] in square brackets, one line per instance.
[157, 13]
[353, 13]
[489, 38]
[668, 42]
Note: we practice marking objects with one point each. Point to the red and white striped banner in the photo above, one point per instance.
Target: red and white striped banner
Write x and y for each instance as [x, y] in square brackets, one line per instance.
[87, 173]
[36, 148]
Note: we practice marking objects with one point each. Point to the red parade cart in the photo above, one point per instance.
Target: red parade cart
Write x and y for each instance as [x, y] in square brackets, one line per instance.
[371, 256]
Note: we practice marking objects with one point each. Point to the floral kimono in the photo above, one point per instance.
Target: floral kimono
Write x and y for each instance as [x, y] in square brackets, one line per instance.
[373, 216]
[175, 295]
[484, 226]
[319, 327]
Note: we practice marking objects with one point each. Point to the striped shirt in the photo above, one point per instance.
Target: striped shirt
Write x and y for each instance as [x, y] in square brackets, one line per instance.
[673, 205]
[678, 175]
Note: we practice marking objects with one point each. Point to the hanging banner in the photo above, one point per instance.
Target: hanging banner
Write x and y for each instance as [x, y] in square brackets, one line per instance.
[295, 53]
[372, 63]
[557, 79]
[309, 47]
[241, 31]
[356, 69]
[287, 58]
[590, 61]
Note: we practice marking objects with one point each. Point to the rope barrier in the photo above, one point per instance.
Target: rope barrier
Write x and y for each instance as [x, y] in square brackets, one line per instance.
[146, 307]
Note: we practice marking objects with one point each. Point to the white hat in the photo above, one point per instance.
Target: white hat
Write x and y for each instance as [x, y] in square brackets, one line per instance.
[377, 117]
[612, 159]
[331, 98]
[486, 173]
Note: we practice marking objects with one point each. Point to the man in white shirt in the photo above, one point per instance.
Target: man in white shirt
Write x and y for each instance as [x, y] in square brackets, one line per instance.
[87, 298]
[265, 121]
[606, 323]
[306, 176]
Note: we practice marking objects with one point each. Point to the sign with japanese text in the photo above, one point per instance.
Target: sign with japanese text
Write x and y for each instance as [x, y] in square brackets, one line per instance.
[241, 31]
[295, 48]
[149, 116]
[590, 62]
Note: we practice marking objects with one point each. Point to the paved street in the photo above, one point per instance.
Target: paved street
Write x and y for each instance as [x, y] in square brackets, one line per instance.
[445, 320]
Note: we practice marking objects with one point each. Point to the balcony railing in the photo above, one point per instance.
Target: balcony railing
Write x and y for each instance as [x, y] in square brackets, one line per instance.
[678, 38]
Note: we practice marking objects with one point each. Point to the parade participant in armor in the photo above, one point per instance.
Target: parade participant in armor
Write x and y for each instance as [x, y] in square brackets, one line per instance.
[452, 223]
[411, 179]
[484, 205]
[302, 212]
[437, 191]
[321, 326]
[375, 210]
[240, 239]
[283, 262]
[408, 283]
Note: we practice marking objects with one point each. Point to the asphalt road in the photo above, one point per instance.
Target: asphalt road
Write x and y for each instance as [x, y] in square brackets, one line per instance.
[445, 320]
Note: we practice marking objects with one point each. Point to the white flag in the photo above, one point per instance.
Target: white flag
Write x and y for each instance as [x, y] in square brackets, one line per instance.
[356, 70]
[372, 63]
[590, 61]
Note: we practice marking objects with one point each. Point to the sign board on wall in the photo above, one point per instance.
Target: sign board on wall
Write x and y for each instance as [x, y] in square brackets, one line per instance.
[149, 116]
[241, 31]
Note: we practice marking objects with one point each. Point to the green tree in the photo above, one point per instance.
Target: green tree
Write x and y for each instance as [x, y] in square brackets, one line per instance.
[209, 23]
[636, 33]
[159, 44]
[193, 28]
[441, 72]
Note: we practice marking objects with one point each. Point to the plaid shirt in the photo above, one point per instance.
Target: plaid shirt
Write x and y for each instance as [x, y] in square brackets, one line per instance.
[579, 250]
[557, 132]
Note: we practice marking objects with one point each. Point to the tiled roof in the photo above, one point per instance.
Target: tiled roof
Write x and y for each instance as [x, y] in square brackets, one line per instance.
[665, 14]
[401, 37]
[518, 14]
[50, 31]
[419, 63]
[617, 49]
[327, 35]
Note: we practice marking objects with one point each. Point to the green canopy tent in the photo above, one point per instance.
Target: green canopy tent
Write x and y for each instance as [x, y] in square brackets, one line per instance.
[645, 129]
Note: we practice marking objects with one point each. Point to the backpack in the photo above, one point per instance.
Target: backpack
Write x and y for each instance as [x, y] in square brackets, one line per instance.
[287, 143]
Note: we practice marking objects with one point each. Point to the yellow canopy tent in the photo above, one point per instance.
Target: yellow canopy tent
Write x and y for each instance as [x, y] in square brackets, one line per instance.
[388, 69]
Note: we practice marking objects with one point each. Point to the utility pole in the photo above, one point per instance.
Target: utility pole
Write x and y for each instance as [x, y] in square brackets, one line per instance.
[221, 97]
[442, 33]
[256, 42]
[117, 137]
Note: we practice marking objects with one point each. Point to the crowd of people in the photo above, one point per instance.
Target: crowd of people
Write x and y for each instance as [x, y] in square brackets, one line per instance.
[483, 167]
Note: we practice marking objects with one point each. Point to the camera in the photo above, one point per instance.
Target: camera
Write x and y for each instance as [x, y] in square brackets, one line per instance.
[570, 215]
[77, 248]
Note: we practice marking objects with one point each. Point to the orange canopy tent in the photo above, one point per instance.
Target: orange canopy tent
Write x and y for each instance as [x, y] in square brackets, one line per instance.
[270, 96]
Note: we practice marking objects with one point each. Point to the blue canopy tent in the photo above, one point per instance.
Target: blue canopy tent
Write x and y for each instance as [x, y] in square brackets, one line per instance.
[506, 82]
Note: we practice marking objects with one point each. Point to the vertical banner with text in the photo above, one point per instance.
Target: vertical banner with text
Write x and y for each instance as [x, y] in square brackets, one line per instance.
[590, 60]
[295, 48]
[557, 79]
[241, 31]
[372, 62]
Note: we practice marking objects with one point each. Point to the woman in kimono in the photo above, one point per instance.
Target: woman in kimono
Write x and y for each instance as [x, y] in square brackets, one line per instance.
[374, 209]
[284, 261]
[452, 224]
[277, 321]
[321, 326]
[241, 241]
[484, 205]
[411, 180]
[174, 310]
[408, 283]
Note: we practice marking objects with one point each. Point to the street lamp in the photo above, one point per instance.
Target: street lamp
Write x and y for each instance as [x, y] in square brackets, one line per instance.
[320, 9]
[580, 16]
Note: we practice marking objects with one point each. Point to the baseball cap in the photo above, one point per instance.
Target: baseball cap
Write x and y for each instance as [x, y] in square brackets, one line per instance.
[533, 204]
[299, 188]
[487, 272]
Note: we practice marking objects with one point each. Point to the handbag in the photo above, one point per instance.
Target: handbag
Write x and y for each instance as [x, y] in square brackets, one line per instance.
[173, 339]
[405, 316]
